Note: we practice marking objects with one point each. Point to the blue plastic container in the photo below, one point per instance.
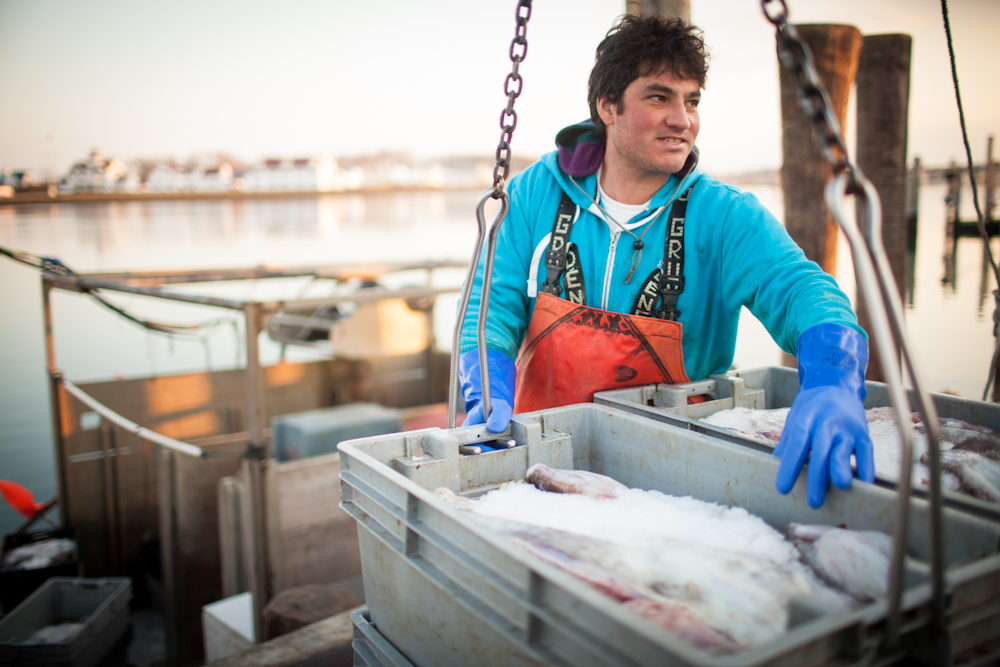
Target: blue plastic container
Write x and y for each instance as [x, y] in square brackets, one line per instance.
[317, 432]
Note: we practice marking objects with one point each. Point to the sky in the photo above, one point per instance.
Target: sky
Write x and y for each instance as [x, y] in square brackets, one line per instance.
[257, 78]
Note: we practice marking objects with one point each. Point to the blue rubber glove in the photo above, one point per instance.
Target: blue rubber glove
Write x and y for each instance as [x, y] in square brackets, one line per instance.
[827, 420]
[502, 377]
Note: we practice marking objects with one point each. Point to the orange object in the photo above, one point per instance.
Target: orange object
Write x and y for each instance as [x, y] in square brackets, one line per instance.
[571, 351]
[19, 498]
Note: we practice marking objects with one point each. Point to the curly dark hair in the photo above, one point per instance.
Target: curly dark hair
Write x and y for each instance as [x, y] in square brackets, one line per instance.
[640, 45]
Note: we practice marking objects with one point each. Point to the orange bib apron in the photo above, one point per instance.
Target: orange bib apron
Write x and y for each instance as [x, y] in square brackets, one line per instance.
[571, 351]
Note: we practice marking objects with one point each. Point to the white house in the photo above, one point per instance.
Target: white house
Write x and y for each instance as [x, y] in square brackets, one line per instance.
[97, 174]
[168, 177]
[315, 174]
[218, 178]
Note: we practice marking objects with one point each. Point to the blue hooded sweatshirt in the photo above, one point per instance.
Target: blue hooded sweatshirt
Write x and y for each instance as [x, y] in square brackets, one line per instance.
[735, 254]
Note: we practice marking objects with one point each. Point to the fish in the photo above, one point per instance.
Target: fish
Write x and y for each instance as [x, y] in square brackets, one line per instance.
[978, 474]
[856, 562]
[582, 482]
[973, 468]
[743, 599]
[714, 599]
[981, 440]
[684, 624]
[888, 413]
[679, 619]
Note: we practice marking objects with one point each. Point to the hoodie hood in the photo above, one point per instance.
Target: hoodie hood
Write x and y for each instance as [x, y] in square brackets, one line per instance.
[580, 151]
[580, 154]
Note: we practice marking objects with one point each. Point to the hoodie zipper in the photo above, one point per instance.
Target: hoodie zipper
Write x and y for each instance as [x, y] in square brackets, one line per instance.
[615, 234]
[608, 268]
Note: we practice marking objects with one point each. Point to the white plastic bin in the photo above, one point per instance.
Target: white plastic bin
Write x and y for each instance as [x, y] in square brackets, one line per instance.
[770, 387]
[371, 649]
[446, 591]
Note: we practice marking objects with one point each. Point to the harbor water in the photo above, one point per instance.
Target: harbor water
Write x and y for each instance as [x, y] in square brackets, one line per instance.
[948, 308]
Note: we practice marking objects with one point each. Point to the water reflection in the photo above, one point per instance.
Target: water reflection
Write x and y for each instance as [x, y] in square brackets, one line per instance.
[950, 258]
[294, 230]
[950, 262]
[985, 278]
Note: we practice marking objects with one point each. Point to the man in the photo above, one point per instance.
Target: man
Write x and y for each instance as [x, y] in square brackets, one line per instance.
[620, 264]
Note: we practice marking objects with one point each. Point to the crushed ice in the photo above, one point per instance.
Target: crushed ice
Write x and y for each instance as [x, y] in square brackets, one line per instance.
[640, 518]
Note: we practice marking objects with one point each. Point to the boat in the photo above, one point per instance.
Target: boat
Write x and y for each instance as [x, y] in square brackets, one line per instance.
[173, 480]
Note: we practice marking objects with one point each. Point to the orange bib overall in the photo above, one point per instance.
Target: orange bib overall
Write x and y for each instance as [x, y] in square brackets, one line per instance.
[571, 351]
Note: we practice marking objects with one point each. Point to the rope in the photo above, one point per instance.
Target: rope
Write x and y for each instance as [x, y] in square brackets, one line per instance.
[55, 266]
[980, 223]
[131, 426]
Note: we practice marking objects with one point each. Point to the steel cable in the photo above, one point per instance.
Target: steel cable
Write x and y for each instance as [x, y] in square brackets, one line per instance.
[980, 222]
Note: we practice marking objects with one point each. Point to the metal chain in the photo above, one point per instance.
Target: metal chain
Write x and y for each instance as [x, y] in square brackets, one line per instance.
[886, 311]
[512, 86]
[813, 99]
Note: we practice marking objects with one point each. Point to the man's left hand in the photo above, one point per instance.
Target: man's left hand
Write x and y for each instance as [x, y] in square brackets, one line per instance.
[827, 421]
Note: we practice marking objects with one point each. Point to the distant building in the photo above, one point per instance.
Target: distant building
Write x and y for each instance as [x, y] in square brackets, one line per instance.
[382, 170]
[469, 172]
[97, 174]
[212, 179]
[316, 174]
[18, 179]
[168, 178]
[352, 178]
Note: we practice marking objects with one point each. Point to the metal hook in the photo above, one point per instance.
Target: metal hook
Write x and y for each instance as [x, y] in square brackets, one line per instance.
[886, 312]
[484, 297]
[463, 307]
[925, 405]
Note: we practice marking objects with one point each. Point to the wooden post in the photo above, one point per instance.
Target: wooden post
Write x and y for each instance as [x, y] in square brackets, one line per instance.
[254, 466]
[804, 173]
[230, 545]
[913, 180]
[106, 436]
[668, 8]
[883, 93]
[990, 180]
[987, 278]
[954, 196]
[56, 398]
[169, 557]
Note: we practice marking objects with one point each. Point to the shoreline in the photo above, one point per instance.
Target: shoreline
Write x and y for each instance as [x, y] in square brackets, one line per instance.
[103, 197]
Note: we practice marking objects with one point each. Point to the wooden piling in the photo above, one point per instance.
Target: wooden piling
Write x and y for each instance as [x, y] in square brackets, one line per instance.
[169, 559]
[883, 93]
[953, 198]
[987, 265]
[804, 173]
[668, 8]
[914, 177]
[990, 181]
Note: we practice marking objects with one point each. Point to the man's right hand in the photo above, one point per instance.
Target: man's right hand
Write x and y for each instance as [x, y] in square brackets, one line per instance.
[503, 375]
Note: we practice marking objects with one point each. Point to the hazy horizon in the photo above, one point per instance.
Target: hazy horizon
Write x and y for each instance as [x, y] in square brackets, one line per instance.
[257, 79]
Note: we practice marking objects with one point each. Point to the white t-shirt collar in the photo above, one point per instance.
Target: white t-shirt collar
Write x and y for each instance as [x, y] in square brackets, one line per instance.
[622, 213]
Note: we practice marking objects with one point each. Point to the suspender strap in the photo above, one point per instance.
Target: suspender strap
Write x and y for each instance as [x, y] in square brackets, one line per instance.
[555, 256]
[666, 285]
[573, 277]
[562, 260]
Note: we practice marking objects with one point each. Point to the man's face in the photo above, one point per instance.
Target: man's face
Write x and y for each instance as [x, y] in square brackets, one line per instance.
[655, 131]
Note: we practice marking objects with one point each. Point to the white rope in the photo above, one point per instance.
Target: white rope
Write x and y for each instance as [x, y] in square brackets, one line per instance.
[131, 426]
